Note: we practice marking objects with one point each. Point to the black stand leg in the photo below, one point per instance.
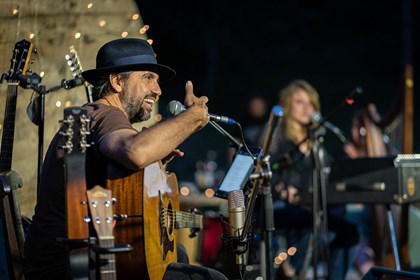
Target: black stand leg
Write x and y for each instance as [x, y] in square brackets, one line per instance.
[393, 236]
[268, 232]
[319, 208]
[41, 103]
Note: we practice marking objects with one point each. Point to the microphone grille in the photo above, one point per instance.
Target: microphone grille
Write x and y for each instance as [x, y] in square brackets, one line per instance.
[236, 199]
[175, 108]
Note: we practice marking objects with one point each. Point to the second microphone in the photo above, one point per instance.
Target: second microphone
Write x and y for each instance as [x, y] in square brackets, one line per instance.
[175, 108]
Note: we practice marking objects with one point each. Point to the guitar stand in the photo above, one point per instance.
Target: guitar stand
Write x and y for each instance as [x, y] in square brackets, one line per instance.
[11, 219]
[118, 248]
[96, 261]
[89, 263]
[10, 182]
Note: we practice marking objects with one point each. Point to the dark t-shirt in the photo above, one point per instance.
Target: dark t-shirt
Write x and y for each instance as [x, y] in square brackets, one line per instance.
[45, 258]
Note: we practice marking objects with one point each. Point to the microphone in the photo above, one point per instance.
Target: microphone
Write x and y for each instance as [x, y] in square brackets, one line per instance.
[236, 208]
[69, 84]
[175, 108]
[317, 117]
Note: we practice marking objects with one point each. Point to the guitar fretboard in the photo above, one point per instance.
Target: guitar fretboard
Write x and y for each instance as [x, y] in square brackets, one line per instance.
[108, 269]
[8, 128]
[187, 220]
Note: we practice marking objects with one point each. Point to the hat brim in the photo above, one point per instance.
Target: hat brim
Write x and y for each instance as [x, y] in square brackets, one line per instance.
[94, 76]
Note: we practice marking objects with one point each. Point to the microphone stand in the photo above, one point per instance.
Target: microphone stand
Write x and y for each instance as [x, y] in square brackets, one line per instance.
[33, 83]
[261, 177]
[319, 206]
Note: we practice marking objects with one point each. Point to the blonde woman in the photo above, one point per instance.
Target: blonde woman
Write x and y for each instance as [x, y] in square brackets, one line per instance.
[291, 163]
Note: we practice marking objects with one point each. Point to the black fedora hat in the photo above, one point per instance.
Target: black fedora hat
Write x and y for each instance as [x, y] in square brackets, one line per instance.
[126, 54]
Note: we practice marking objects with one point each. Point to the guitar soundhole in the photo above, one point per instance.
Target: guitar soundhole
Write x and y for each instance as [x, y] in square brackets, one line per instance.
[170, 219]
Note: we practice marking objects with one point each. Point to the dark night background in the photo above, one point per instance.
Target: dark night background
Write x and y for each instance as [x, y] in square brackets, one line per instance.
[230, 49]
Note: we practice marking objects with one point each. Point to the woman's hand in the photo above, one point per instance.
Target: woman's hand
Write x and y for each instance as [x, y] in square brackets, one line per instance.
[290, 193]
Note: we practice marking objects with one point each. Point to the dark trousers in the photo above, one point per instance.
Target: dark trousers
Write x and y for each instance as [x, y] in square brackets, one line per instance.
[182, 270]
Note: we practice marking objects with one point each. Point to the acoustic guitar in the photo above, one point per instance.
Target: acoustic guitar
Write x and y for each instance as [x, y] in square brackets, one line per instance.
[10, 215]
[74, 131]
[150, 200]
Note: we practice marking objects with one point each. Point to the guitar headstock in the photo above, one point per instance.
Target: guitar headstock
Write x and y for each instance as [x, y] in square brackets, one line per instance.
[75, 129]
[100, 205]
[73, 62]
[20, 61]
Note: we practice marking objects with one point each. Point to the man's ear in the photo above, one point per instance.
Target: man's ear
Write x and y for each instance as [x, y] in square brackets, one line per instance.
[115, 82]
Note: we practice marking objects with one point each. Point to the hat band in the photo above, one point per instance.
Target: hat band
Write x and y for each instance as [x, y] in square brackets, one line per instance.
[135, 59]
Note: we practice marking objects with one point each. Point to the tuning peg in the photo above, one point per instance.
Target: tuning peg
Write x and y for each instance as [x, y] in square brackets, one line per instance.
[74, 68]
[35, 50]
[69, 120]
[70, 56]
[32, 61]
[68, 147]
[83, 146]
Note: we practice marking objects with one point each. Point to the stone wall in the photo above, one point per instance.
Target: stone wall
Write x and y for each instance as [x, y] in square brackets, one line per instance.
[53, 25]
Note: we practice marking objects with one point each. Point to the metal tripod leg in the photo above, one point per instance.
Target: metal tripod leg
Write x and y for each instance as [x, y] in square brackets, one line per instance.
[393, 238]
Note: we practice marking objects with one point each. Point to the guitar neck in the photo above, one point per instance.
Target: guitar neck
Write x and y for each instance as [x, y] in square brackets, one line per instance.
[107, 271]
[188, 220]
[8, 128]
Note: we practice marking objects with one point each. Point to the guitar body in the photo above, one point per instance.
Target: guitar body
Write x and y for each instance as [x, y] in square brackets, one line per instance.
[160, 195]
[149, 198]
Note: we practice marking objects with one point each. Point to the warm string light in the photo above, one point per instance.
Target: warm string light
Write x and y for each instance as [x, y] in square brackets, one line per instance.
[102, 23]
[184, 191]
[282, 256]
[209, 192]
[292, 251]
[144, 29]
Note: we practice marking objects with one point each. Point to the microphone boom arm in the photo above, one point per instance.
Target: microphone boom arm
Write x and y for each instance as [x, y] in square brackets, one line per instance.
[225, 133]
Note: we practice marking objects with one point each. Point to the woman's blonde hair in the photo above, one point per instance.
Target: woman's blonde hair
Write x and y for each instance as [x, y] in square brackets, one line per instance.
[285, 100]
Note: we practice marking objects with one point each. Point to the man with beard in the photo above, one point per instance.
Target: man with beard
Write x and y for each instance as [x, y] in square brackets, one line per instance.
[126, 85]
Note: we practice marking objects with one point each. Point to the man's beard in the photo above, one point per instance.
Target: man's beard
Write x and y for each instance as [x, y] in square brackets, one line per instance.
[134, 109]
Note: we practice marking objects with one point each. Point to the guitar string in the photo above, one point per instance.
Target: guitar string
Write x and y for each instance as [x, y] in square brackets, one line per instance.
[181, 216]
